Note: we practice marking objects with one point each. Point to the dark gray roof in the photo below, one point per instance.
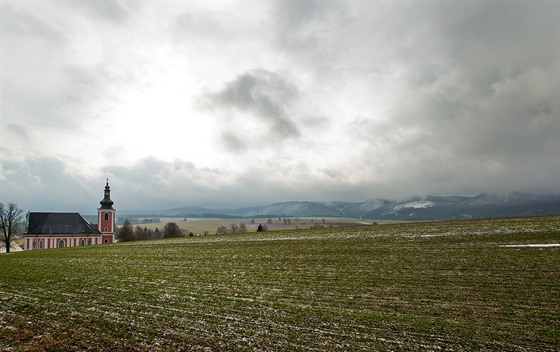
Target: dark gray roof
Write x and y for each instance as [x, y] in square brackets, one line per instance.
[59, 223]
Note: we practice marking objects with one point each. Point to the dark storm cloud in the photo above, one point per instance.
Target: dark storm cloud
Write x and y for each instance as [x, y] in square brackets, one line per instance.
[478, 95]
[503, 141]
[156, 184]
[495, 39]
[495, 111]
[266, 96]
[43, 183]
[152, 183]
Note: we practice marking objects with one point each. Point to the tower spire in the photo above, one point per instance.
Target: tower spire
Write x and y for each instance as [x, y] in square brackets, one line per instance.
[106, 202]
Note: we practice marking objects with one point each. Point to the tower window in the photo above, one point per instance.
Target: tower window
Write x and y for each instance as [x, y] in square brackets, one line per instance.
[106, 216]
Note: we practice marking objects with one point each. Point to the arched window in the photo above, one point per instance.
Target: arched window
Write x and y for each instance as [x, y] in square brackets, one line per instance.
[106, 216]
[106, 241]
[61, 244]
[40, 244]
[89, 241]
[82, 242]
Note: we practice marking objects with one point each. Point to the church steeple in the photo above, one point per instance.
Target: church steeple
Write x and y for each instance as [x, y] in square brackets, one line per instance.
[106, 202]
[106, 217]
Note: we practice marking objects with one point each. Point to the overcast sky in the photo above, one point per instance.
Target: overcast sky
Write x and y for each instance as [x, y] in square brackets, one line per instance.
[227, 104]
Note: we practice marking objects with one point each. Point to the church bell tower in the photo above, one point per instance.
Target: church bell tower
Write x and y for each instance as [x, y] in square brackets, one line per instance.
[106, 217]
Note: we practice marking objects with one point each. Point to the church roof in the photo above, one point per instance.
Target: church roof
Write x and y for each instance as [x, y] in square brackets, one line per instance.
[59, 223]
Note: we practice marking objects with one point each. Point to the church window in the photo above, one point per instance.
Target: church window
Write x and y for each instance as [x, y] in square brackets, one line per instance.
[40, 244]
[106, 216]
[82, 242]
[61, 244]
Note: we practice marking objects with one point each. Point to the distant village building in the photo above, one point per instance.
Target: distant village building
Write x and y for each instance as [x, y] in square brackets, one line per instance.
[57, 230]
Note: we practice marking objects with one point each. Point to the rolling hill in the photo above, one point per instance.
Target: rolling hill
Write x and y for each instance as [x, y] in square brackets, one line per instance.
[418, 208]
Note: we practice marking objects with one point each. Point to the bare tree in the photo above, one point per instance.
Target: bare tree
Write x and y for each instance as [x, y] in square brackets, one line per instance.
[10, 217]
[147, 234]
[126, 232]
[242, 227]
[139, 233]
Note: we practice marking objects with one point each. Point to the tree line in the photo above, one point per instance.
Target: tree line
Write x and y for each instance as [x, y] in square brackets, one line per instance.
[233, 228]
[127, 232]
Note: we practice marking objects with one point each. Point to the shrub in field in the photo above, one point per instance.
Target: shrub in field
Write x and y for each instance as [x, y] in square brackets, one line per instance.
[172, 230]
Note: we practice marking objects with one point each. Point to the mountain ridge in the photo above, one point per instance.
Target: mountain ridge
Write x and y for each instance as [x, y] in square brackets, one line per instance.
[483, 205]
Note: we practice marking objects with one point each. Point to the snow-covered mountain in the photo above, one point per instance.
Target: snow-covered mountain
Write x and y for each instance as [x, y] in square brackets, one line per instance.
[426, 208]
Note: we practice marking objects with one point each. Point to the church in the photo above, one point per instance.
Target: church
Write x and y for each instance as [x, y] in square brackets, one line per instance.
[58, 230]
